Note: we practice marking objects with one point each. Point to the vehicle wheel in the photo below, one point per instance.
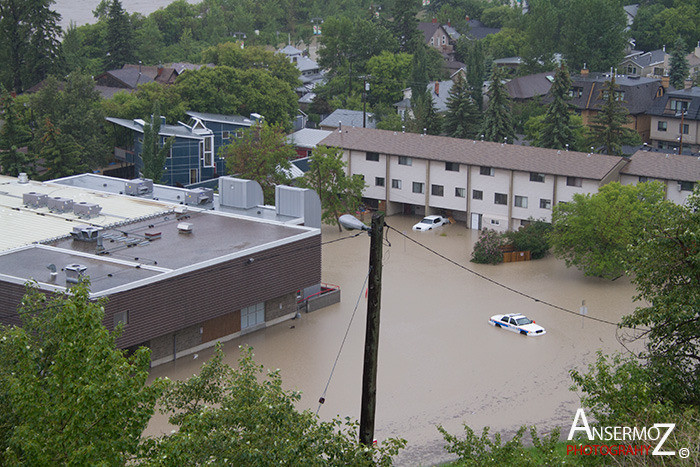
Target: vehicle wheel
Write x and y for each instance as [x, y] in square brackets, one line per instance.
[524, 333]
[497, 325]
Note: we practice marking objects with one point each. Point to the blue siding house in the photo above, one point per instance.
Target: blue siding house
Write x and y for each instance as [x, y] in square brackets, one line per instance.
[194, 156]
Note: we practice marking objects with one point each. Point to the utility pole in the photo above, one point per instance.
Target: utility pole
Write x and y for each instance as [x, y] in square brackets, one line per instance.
[374, 299]
[365, 88]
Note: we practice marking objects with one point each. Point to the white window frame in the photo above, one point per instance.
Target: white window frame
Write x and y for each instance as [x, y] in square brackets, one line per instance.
[207, 155]
[460, 192]
[420, 186]
[252, 315]
[395, 183]
[520, 201]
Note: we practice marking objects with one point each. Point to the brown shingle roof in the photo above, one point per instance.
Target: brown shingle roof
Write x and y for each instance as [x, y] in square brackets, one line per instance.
[504, 156]
[664, 166]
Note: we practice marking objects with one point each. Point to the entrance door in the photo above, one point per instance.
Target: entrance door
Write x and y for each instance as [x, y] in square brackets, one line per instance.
[476, 221]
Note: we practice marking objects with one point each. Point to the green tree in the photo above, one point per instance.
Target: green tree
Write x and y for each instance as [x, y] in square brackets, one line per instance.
[557, 129]
[29, 42]
[462, 119]
[119, 38]
[425, 117]
[593, 231]
[261, 154]
[405, 24]
[542, 32]
[241, 416]
[533, 237]
[389, 74]
[154, 153]
[68, 396]
[60, 152]
[498, 122]
[534, 126]
[14, 134]
[607, 127]
[487, 249]
[339, 193]
[679, 65]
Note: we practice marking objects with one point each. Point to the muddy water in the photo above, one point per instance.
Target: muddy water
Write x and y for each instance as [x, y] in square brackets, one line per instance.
[80, 11]
[440, 363]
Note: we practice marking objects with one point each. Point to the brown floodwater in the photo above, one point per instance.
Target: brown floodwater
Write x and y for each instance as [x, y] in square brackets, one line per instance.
[440, 363]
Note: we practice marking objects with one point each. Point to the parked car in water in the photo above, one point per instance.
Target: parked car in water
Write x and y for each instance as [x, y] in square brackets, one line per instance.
[517, 323]
[430, 222]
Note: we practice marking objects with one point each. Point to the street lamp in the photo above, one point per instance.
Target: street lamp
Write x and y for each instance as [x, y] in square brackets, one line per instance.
[374, 298]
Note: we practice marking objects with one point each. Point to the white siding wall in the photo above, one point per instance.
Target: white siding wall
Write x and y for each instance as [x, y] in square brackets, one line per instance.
[370, 169]
[534, 191]
[416, 172]
[449, 180]
[489, 186]
[566, 193]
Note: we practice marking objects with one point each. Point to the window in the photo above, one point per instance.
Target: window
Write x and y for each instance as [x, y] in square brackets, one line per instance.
[662, 126]
[521, 201]
[460, 192]
[686, 186]
[631, 70]
[573, 181]
[437, 190]
[121, 317]
[225, 135]
[536, 177]
[683, 128]
[679, 106]
[545, 203]
[207, 148]
[452, 166]
[495, 222]
[379, 181]
[418, 187]
[444, 40]
[170, 151]
[643, 179]
[372, 156]
[362, 177]
[477, 194]
[396, 184]
[576, 92]
[404, 160]
[658, 71]
[486, 171]
[252, 315]
[432, 41]
[500, 198]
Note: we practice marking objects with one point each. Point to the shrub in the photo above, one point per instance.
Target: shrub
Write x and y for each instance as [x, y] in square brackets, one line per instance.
[487, 250]
[533, 238]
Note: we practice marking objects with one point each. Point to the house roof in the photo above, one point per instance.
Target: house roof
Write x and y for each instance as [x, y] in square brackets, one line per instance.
[228, 119]
[664, 166]
[290, 50]
[306, 64]
[509, 61]
[180, 67]
[527, 87]
[647, 59]
[640, 92]
[440, 97]
[477, 29]
[428, 29]
[452, 32]
[130, 77]
[107, 92]
[482, 153]
[180, 131]
[307, 137]
[691, 94]
[347, 118]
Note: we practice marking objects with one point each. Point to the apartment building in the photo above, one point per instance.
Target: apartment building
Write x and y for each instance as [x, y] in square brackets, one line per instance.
[675, 121]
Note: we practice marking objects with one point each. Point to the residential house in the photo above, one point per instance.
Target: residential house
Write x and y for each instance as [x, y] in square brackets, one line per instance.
[306, 139]
[439, 92]
[484, 184]
[310, 73]
[631, 13]
[194, 156]
[675, 121]
[478, 30]
[654, 64]
[178, 278]
[442, 38]
[678, 173]
[347, 118]
[526, 88]
[694, 62]
[637, 94]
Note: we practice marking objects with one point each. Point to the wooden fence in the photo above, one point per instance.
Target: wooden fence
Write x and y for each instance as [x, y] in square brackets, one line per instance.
[510, 255]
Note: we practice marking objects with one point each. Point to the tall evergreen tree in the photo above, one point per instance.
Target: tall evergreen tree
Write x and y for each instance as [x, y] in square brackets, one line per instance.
[463, 118]
[476, 70]
[679, 65]
[60, 153]
[14, 134]
[557, 131]
[119, 37]
[425, 117]
[405, 24]
[608, 130]
[154, 154]
[498, 122]
[419, 71]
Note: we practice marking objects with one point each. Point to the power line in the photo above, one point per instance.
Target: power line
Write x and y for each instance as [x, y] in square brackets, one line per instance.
[509, 288]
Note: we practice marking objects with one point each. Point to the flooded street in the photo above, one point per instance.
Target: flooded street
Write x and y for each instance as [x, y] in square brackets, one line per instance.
[440, 363]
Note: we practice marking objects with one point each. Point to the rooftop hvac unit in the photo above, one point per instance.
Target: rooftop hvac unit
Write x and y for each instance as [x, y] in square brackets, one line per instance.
[34, 199]
[138, 187]
[59, 204]
[74, 272]
[184, 227]
[199, 196]
[86, 210]
[85, 233]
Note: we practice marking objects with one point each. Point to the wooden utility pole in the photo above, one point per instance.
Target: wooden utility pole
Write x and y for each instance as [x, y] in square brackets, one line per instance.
[374, 299]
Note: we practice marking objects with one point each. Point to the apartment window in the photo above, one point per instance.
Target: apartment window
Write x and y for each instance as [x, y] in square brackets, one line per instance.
[521, 201]
[379, 181]
[678, 106]
[252, 315]
[573, 181]
[452, 166]
[418, 187]
[477, 194]
[395, 183]
[495, 222]
[405, 160]
[545, 203]
[121, 317]
[486, 171]
[683, 128]
[662, 126]
[372, 156]
[686, 186]
[437, 190]
[460, 192]
[500, 198]
[536, 177]
[225, 135]
[362, 177]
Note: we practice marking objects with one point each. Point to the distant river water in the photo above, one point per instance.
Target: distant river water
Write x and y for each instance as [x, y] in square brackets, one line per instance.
[80, 11]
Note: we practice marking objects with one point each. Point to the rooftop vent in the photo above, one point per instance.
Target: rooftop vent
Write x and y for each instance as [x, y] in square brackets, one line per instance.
[184, 227]
[85, 233]
[199, 196]
[138, 187]
[59, 204]
[74, 272]
[35, 200]
[23, 178]
[86, 210]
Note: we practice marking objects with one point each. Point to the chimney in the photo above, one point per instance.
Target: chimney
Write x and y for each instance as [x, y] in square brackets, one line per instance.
[449, 23]
[434, 20]
[665, 81]
[437, 88]
[664, 47]
[584, 70]
[340, 127]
